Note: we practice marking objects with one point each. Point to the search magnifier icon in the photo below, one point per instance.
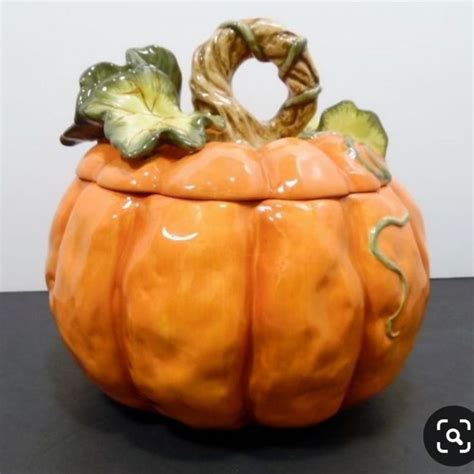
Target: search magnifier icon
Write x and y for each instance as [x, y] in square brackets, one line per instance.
[454, 436]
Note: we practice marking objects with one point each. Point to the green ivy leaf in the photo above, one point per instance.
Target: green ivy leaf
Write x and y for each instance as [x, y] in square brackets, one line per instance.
[361, 125]
[161, 58]
[84, 129]
[139, 109]
[94, 78]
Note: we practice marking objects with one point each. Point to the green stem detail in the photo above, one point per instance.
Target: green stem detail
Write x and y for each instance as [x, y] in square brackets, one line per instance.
[304, 98]
[384, 172]
[294, 53]
[379, 169]
[246, 33]
[390, 264]
[214, 65]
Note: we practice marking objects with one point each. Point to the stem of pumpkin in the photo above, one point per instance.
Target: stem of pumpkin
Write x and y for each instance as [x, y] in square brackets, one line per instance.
[215, 62]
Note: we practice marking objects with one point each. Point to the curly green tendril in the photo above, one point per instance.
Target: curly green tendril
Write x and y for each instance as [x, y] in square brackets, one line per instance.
[390, 264]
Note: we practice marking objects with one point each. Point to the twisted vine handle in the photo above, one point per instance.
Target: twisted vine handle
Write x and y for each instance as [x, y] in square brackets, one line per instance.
[215, 62]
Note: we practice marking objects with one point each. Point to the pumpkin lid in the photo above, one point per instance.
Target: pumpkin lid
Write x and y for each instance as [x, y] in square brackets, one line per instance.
[327, 165]
[220, 150]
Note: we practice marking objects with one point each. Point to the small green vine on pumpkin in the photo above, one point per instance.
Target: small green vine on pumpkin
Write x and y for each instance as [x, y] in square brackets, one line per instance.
[390, 264]
[377, 167]
[355, 124]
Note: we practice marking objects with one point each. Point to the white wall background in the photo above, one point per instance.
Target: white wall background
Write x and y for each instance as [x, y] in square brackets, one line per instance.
[409, 62]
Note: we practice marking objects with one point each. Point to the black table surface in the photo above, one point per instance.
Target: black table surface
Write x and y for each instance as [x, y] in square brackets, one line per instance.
[53, 420]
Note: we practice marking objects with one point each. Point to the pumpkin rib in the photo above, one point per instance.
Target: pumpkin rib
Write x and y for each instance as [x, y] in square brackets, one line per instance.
[121, 307]
[369, 379]
[363, 289]
[298, 356]
[367, 306]
[59, 226]
[365, 293]
[84, 314]
[298, 170]
[188, 320]
[131, 242]
[362, 313]
[252, 290]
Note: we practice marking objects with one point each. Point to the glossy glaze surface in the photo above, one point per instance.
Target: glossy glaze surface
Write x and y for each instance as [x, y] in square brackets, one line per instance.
[218, 301]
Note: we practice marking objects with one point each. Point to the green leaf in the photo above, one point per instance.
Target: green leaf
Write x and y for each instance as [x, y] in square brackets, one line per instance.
[362, 125]
[139, 109]
[161, 58]
[97, 75]
[83, 129]
[94, 77]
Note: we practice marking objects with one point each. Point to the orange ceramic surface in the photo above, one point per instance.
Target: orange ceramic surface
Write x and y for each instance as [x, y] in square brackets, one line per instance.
[237, 284]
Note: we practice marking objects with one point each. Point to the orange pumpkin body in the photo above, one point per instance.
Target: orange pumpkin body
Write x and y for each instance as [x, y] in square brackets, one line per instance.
[236, 284]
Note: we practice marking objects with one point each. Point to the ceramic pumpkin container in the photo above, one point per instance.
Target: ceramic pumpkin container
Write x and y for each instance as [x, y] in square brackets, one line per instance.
[222, 271]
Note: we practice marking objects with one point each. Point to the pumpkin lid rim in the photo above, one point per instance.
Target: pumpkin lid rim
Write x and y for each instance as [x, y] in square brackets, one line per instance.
[291, 168]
